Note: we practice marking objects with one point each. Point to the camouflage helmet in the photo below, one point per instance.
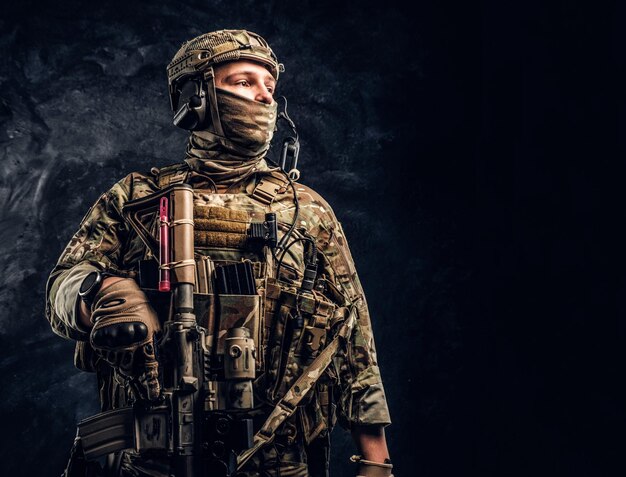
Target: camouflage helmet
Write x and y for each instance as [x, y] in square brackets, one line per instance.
[198, 56]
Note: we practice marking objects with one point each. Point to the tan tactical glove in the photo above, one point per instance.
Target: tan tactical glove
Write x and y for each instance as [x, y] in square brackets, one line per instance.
[367, 468]
[123, 334]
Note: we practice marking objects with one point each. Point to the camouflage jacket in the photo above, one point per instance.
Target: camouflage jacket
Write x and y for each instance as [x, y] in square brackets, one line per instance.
[352, 390]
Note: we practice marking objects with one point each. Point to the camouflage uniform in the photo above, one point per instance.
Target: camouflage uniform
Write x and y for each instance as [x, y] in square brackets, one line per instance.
[350, 391]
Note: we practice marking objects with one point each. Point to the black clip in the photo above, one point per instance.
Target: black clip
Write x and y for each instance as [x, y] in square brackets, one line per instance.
[266, 231]
[291, 148]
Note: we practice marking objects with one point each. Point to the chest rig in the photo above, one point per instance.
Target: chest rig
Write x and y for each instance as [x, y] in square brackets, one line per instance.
[235, 239]
[258, 332]
[238, 342]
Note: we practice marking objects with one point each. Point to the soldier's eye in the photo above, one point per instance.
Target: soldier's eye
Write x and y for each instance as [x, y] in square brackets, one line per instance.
[243, 83]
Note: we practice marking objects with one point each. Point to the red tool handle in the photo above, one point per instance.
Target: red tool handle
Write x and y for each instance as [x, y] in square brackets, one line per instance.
[164, 245]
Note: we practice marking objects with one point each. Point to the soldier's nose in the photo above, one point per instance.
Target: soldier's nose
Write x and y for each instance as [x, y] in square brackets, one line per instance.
[264, 96]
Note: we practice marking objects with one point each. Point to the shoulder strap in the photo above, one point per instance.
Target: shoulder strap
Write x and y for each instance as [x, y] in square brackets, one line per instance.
[172, 174]
[268, 187]
[289, 402]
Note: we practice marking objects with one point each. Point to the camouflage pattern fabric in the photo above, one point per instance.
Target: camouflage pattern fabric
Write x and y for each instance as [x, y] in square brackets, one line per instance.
[351, 389]
[248, 127]
[247, 123]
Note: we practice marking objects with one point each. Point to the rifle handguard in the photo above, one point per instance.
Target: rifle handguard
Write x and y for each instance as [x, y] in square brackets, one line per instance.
[368, 468]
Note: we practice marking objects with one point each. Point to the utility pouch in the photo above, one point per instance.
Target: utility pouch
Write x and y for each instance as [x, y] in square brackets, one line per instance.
[297, 333]
[219, 313]
[237, 311]
[317, 416]
[204, 275]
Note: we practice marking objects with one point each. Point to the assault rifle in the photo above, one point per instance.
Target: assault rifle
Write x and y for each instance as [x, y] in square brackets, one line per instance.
[200, 420]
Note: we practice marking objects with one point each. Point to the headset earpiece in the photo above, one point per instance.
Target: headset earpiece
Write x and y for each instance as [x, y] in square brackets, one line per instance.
[191, 114]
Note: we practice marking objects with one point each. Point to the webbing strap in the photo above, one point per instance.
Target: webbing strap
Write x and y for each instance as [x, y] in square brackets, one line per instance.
[170, 175]
[267, 189]
[287, 406]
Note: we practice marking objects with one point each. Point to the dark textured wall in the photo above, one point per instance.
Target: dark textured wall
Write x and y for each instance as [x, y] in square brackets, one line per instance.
[473, 151]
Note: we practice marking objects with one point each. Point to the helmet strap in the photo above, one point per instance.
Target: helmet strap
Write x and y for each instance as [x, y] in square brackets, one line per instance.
[209, 80]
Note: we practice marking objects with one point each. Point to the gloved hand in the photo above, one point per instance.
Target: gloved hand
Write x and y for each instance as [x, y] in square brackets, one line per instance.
[123, 334]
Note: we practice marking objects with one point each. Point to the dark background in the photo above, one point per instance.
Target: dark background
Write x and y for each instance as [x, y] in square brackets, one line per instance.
[473, 152]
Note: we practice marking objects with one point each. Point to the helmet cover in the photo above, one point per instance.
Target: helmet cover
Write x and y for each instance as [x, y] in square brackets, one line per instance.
[201, 53]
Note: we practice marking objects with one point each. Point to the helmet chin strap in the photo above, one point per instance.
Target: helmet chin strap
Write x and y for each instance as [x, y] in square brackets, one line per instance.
[214, 131]
[209, 80]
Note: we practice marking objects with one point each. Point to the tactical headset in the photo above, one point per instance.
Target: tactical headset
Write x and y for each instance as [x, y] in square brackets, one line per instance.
[191, 115]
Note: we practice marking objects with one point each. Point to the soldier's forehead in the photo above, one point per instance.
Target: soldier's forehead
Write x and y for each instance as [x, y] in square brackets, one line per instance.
[242, 66]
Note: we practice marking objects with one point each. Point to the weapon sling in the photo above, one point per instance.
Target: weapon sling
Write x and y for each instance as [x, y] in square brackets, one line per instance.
[287, 405]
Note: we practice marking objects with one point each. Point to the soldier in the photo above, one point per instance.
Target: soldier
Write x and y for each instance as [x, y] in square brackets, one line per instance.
[308, 294]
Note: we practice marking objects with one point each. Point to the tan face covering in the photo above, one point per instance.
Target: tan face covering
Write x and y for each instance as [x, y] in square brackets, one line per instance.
[248, 128]
[246, 123]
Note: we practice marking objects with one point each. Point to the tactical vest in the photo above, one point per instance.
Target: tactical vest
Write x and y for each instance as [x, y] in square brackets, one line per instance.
[297, 331]
[289, 329]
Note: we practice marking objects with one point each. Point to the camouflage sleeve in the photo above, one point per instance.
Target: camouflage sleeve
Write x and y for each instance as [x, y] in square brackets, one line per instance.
[360, 395]
[97, 245]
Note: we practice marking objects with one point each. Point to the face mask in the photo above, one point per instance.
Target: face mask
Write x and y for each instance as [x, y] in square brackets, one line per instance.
[248, 124]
